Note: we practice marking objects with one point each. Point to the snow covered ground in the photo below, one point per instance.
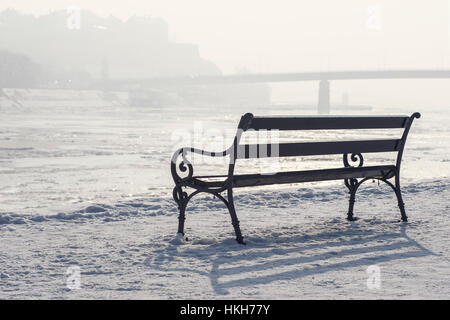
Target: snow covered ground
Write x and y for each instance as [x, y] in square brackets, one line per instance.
[87, 185]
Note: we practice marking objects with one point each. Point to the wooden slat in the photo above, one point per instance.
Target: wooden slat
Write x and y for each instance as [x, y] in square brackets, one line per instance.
[323, 123]
[249, 180]
[315, 148]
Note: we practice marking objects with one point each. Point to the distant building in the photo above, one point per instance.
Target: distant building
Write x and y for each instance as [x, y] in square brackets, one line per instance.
[138, 47]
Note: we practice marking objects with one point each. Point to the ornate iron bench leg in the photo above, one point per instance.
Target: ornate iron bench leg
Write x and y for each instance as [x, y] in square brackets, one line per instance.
[401, 204]
[352, 185]
[234, 219]
[398, 193]
[350, 206]
[181, 218]
[181, 199]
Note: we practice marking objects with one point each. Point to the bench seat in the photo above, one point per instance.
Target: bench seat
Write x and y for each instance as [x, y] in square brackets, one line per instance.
[250, 180]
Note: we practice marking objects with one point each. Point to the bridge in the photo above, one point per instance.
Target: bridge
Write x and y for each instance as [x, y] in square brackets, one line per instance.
[323, 78]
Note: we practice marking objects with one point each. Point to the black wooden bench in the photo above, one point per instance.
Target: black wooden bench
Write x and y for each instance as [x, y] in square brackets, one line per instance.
[183, 173]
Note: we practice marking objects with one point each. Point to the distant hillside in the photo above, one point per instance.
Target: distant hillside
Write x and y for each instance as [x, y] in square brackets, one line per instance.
[17, 70]
[101, 47]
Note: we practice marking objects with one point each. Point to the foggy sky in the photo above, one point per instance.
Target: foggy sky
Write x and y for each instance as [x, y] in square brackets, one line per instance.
[287, 35]
[295, 35]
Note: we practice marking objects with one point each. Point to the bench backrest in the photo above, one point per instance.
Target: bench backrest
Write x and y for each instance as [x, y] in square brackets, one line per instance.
[250, 122]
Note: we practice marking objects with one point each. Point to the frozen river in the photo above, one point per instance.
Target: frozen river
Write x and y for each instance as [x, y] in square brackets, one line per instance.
[62, 156]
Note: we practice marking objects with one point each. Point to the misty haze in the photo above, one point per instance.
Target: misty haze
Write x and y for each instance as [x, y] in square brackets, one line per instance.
[224, 149]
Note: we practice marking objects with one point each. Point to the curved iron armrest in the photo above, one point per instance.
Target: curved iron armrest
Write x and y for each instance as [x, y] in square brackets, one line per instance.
[185, 165]
[354, 157]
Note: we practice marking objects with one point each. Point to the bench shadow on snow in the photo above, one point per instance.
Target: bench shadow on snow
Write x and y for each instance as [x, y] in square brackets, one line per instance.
[264, 260]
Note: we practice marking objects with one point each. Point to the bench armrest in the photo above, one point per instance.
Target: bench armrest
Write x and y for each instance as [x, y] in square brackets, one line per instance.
[185, 165]
[356, 159]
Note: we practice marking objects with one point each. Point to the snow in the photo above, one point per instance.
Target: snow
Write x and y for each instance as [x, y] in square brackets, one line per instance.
[88, 184]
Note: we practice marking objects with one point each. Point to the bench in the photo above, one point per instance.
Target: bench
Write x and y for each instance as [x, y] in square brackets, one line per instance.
[353, 173]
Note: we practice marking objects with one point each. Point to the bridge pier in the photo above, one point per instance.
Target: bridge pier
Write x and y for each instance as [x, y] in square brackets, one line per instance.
[323, 107]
